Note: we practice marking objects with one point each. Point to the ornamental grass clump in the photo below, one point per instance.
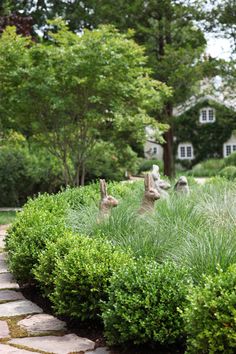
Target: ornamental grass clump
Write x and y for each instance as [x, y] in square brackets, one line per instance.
[210, 314]
[144, 302]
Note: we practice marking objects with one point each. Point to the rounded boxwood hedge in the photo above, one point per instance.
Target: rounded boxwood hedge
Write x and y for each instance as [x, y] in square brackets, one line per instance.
[82, 277]
[44, 219]
[41, 220]
[210, 314]
[144, 304]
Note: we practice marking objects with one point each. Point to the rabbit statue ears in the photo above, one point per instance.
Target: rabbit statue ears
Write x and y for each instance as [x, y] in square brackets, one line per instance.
[148, 182]
[103, 188]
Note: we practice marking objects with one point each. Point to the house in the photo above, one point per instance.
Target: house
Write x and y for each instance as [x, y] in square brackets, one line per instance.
[204, 127]
[152, 149]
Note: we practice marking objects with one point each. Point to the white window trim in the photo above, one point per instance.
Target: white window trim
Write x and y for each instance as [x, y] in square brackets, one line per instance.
[207, 109]
[225, 154]
[185, 146]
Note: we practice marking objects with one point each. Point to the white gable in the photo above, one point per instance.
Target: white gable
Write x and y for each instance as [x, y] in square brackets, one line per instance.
[209, 90]
[230, 145]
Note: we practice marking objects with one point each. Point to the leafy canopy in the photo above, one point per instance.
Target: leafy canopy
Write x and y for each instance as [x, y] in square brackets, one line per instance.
[74, 91]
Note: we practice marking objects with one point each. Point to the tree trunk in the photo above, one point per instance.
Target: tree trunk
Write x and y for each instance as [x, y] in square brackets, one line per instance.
[82, 175]
[168, 153]
[169, 170]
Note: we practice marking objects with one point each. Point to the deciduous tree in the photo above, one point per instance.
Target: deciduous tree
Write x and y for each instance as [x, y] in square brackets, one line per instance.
[74, 91]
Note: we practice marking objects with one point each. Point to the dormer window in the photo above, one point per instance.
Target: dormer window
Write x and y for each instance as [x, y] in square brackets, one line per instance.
[207, 115]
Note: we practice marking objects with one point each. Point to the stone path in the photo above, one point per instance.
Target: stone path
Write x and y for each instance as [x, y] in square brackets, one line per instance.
[25, 329]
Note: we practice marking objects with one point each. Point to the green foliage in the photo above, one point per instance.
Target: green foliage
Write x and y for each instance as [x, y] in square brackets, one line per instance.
[90, 194]
[111, 163]
[82, 277]
[207, 168]
[213, 167]
[229, 172]
[75, 90]
[44, 219]
[7, 217]
[15, 182]
[25, 172]
[143, 305]
[195, 231]
[207, 139]
[55, 251]
[41, 220]
[230, 160]
[210, 314]
[146, 165]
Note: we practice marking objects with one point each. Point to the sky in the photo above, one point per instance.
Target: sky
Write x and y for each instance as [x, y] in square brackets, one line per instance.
[218, 47]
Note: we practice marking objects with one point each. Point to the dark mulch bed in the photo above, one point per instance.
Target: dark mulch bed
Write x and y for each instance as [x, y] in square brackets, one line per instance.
[93, 331]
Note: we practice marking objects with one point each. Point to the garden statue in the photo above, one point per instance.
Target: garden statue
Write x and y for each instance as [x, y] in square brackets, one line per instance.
[151, 194]
[181, 185]
[160, 184]
[107, 202]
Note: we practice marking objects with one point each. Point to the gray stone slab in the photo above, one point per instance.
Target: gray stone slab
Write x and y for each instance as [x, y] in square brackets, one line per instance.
[4, 330]
[41, 324]
[7, 281]
[2, 241]
[11, 295]
[3, 266]
[101, 350]
[56, 345]
[4, 227]
[3, 256]
[17, 308]
[7, 349]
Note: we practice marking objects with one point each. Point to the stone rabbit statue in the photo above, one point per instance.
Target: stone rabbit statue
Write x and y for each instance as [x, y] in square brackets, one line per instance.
[160, 184]
[181, 186]
[151, 194]
[107, 202]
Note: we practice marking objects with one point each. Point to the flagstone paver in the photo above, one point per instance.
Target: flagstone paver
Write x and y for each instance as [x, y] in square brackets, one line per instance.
[3, 266]
[56, 345]
[19, 307]
[2, 242]
[35, 322]
[11, 295]
[4, 330]
[7, 349]
[7, 281]
[4, 227]
[3, 256]
[41, 324]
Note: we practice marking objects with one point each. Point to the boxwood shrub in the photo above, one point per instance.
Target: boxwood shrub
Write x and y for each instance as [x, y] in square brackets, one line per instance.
[83, 276]
[44, 219]
[210, 314]
[41, 220]
[44, 270]
[143, 304]
[228, 172]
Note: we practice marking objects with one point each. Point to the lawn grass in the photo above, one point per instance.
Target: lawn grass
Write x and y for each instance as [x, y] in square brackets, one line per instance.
[7, 217]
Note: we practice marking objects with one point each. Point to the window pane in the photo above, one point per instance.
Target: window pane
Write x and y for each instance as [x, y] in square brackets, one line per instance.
[211, 114]
[228, 150]
[189, 151]
[204, 115]
[234, 147]
[182, 151]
